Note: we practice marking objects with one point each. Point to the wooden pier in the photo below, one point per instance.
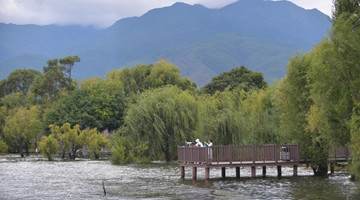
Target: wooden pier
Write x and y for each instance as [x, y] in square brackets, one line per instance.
[238, 156]
[338, 155]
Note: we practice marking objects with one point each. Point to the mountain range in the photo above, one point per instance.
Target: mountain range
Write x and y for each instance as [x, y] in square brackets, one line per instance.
[202, 42]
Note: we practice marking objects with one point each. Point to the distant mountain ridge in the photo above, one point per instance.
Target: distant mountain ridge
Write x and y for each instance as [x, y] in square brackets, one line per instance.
[202, 42]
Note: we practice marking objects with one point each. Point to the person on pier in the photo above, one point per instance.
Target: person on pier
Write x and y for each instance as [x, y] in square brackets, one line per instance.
[210, 144]
[198, 143]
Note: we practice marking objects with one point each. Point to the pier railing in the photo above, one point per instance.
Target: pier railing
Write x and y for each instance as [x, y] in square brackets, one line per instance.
[239, 154]
[340, 154]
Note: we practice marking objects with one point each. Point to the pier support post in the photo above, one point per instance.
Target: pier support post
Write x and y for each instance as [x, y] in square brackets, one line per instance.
[237, 172]
[332, 167]
[182, 172]
[194, 170]
[223, 172]
[279, 170]
[253, 172]
[264, 170]
[295, 170]
[207, 173]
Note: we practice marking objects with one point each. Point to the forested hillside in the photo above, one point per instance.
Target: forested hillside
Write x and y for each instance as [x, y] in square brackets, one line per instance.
[202, 42]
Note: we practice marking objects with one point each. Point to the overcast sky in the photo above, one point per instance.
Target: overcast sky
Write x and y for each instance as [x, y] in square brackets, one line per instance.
[103, 13]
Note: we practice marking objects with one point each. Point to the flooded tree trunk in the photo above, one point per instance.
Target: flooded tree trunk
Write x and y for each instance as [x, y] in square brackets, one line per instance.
[63, 154]
[96, 156]
[27, 148]
[21, 150]
[73, 156]
[321, 154]
[167, 151]
[321, 169]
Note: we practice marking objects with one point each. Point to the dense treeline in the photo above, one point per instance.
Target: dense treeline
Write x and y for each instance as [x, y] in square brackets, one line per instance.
[151, 109]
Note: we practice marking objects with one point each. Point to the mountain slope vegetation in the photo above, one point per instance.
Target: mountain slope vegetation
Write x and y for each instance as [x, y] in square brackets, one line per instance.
[202, 42]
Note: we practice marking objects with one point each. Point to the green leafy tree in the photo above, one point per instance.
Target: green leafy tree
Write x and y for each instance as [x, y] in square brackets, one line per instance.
[133, 79]
[48, 86]
[259, 117]
[95, 141]
[355, 145]
[3, 115]
[127, 149]
[49, 146]
[163, 118]
[68, 138]
[23, 127]
[298, 114]
[239, 117]
[100, 104]
[220, 119]
[3, 146]
[345, 7]
[3, 88]
[71, 139]
[122, 151]
[69, 62]
[237, 77]
[165, 73]
[19, 80]
[341, 56]
[58, 135]
[14, 100]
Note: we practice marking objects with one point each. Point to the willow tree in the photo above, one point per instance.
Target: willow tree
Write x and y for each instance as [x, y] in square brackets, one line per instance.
[299, 116]
[260, 117]
[344, 65]
[163, 118]
[49, 146]
[94, 140]
[71, 139]
[23, 127]
[220, 119]
[335, 78]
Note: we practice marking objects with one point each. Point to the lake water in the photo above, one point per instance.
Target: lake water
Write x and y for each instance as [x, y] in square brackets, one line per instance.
[34, 178]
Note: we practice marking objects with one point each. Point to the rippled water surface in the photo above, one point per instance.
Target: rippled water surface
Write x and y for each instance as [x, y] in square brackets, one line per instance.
[34, 178]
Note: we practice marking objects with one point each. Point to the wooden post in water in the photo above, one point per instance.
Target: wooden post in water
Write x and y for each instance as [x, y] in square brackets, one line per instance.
[279, 170]
[182, 172]
[237, 172]
[223, 172]
[264, 170]
[253, 172]
[295, 170]
[207, 173]
[194, 170]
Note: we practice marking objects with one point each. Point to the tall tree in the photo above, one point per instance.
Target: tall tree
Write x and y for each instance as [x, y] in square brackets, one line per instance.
[51, 84]
[298, 114]
[345, 7]
[69, 62]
